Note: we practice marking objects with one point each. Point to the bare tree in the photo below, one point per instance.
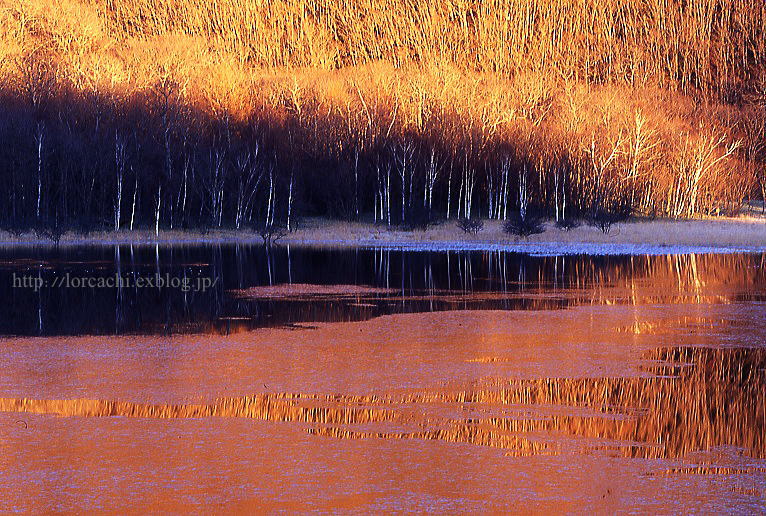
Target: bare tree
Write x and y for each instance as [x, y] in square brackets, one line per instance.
[39, 140]
[290, 201]
[249, 174]
[432, 174]
[119, 165]
[505, 167]
[603, 154]
[642, 142]
[523, 195]
[158, 209]
[404, 155]
[133, 205]
[38, 77]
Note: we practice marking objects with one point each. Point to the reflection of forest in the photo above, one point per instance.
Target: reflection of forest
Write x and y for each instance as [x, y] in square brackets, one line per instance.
[695, 400]
[401, 281]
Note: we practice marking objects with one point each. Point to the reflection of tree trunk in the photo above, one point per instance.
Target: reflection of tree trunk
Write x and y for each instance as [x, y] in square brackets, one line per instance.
[289, 266]
[118, 283]
[388, 269]
[39, 304]
[695, 276]
[157, 259]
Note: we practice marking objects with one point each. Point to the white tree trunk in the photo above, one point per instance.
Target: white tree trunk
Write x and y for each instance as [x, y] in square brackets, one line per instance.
[270, 205]
[157, 211]
[388, 195]
[39, 138]
[556, 194]
[119, 163]
[449, 189]
[133, 209]
[290, 202]
[523, 193]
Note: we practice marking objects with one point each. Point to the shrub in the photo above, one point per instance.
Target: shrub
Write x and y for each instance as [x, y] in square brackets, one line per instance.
[524, 227]
[419, 219]
[52, 232]
[568, 224]
[605, 218]
[271, 233]
[472, 226]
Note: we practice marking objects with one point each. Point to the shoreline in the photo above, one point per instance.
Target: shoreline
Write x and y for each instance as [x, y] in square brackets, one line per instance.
[724, 235]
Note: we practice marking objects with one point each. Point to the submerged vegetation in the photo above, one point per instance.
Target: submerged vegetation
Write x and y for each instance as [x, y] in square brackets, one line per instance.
[200, 113]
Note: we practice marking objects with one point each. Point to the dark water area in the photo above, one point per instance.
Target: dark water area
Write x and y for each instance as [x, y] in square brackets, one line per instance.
[204, 288]
[375, 381]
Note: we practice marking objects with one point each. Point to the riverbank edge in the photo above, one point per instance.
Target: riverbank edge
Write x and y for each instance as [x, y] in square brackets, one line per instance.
[745, 235]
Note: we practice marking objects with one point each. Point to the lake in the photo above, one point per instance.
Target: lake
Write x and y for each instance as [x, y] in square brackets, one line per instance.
[231, 377]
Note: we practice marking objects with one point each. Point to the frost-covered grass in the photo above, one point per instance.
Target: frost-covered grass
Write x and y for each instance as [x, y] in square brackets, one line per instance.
[743, 234]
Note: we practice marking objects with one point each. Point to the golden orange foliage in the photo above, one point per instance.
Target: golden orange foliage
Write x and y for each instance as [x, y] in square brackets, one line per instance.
[643, 99]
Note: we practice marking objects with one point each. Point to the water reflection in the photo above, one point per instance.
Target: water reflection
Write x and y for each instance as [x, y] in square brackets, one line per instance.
[696, 400]
[50, 304]
[647, 392]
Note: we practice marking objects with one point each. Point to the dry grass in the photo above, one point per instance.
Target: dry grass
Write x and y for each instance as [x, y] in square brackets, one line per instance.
[674, 235]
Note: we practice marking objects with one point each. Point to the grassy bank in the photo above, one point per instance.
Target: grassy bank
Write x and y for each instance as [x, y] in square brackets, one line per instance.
[746, 233]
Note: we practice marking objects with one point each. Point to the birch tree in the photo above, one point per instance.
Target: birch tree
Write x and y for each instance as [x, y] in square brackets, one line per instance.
[119, 166]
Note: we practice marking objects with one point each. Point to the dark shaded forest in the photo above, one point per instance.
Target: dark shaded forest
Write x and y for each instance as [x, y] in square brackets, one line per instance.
[143, 115]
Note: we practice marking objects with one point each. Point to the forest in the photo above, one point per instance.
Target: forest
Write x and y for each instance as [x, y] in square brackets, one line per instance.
[205, 114]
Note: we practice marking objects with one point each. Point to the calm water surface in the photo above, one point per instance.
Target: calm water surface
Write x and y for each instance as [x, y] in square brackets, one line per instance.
[226, 377]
